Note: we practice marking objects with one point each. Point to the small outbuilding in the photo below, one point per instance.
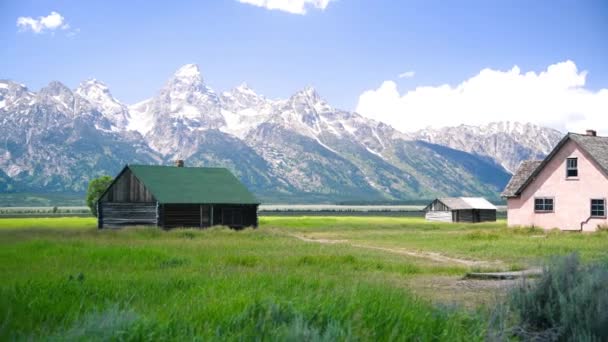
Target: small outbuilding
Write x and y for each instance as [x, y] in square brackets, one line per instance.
[460, 209]
[176, 196]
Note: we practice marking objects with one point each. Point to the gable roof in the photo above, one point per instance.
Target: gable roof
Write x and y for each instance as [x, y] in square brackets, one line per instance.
[461, 203]
[200, 185]
[595, 147]
[523, 173]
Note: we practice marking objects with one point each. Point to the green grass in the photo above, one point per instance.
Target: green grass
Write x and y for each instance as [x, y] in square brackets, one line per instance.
[63, 278]
[482, 241]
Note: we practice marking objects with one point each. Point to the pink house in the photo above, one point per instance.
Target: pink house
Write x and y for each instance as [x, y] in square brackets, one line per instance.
[567, 190]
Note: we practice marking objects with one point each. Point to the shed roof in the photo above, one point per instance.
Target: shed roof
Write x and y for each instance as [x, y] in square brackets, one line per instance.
[596, 147]
[200, 185]
[462, 203]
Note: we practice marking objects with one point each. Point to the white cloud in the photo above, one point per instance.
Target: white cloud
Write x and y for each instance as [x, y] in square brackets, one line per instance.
[555, 97]
[407, 74]
[290, 6]
[51, 22]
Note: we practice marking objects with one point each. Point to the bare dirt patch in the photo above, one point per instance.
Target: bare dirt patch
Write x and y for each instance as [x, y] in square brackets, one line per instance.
[417, 254]
[456, 290]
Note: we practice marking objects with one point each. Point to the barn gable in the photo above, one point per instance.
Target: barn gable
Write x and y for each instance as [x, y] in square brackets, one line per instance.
[126, 187]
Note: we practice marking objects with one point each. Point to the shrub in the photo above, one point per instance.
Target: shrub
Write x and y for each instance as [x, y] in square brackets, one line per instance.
[96, 188]
[602, 227]
[569, 302]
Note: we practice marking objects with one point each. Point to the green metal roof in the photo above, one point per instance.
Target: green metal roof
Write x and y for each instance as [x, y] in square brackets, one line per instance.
[170, 184]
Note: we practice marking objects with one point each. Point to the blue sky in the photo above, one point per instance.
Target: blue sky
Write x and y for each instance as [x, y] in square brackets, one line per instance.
[343, 50]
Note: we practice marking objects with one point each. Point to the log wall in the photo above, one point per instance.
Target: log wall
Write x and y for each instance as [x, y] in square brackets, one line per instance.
[184, 215]
[114, 215]
[439, 216]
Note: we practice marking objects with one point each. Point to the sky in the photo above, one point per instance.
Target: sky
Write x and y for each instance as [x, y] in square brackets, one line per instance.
[411, 64]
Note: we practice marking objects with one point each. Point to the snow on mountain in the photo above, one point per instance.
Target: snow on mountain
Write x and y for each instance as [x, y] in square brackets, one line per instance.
[244, 110]
[56, 140]
[98, 94]
[300, 146]
[183, 106]
[506, 142]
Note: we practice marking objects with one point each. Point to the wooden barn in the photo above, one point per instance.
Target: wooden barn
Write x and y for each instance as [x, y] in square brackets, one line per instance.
[176, 196]
[460, 209]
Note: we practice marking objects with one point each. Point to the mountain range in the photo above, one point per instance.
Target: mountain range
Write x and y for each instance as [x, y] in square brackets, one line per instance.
[299, 149]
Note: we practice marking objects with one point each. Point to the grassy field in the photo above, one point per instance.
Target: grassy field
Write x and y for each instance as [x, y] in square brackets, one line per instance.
[298, 278]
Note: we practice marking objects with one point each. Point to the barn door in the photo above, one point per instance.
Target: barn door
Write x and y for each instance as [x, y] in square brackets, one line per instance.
[204, 218]
[476, 216]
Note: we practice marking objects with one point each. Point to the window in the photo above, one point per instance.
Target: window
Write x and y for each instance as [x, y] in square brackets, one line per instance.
[598, 208]
[572, 167]
[543, 205]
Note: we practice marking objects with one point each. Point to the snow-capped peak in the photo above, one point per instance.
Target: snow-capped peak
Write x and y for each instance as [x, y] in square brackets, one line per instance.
[309, 97]
[56, 92]
[93, 88]
[98, 94]
[308, 92]
[245, 89]
[189, 72]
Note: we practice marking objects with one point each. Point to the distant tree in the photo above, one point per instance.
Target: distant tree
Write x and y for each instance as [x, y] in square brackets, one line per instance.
[96, 188]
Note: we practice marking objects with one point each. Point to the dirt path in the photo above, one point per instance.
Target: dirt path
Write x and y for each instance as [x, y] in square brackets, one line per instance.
[401, 251]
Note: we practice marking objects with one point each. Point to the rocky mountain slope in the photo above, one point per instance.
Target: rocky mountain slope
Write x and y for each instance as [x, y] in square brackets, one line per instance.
[506, 142]
[297, 149]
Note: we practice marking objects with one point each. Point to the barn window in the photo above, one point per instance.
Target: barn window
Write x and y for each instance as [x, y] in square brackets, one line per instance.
[598, 208]
[572, 167]
[543, 205]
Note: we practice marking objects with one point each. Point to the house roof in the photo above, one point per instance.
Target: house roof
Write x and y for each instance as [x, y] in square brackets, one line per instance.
[523, 173]
[200, 185]
[596, 147]
[460, 203]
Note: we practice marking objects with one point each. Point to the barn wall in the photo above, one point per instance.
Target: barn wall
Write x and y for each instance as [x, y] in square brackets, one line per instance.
[487, 215]
[112, 214]
[465, 215]
[127, 188]
[234, 215]
[184, 215]
[439, 216]
[469, 215]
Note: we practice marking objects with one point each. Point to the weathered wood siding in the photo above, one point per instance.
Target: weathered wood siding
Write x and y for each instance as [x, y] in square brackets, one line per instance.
[488, 215]
[236, 216]
[184, 215]
[465, 215]
[194, 215]
[113, 215]
[436, 205]
[127, 188]
[475, 215]
[439, 216]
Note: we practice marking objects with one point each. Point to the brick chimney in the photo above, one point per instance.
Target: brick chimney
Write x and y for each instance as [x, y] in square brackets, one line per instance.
[179, 163]
[591, 133]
